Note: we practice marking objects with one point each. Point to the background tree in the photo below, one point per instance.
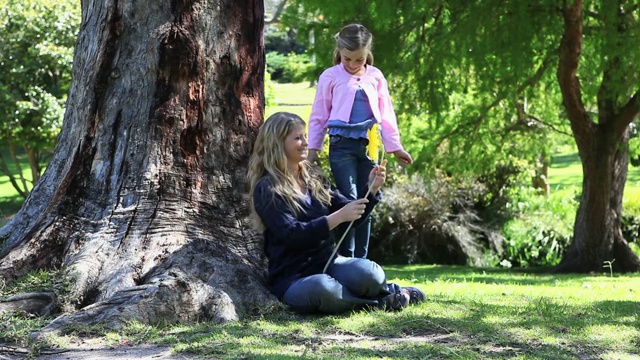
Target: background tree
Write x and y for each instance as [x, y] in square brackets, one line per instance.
[36, 50]
[496, 80]
[142, 205]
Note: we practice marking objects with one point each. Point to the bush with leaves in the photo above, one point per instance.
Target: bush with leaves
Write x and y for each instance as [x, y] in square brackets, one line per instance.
[541, 228]
[431, 221]
[288, 68]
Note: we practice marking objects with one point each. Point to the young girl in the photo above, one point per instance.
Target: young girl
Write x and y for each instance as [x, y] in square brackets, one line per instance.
[295, 211]
[351, 97]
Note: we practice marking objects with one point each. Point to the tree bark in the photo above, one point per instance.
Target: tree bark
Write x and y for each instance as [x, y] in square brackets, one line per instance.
[143, 202]
[603, 149]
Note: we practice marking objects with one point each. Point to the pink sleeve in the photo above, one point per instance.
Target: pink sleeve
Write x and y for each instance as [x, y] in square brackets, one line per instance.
[389, 123]
[320, 111]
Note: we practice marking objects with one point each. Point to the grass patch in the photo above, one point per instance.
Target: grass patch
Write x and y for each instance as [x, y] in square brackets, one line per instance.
[10, 200]
[566, 171]
[471, 313]
[294, 98]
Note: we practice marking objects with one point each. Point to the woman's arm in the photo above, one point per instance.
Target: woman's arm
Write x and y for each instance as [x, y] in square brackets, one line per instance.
[280, 220]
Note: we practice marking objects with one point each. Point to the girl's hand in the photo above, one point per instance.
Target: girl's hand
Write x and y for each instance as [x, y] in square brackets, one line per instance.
[377, 177]
[312, 157]
[403, 157]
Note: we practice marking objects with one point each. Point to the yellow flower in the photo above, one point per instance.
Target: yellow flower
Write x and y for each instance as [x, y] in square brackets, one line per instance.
[375, 143]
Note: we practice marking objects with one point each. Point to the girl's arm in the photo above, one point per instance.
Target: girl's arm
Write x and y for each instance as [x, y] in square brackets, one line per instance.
[389, 124]
[320, 111]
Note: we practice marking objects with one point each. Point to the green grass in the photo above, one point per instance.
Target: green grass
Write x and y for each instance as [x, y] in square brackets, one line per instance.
[470, 313]
[10, 200]
[566, 170]
[295, 98]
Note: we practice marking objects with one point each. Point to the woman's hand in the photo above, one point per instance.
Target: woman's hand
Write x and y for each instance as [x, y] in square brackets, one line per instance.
[353, 210]
[403, 157]
[348, 213]
[377, 176]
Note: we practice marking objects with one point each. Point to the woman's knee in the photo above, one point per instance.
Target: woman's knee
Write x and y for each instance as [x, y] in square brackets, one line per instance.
[375, 279]
[370, 278]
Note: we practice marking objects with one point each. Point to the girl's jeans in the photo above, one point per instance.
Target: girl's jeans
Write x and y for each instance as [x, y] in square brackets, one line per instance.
[349, 284]
[350, 167]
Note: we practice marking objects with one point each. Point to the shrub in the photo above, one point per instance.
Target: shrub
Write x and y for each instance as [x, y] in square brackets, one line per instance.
[288, 68]
[269, 91]
[430, 221]
[541, 229]
[275, 64]
[631, 214]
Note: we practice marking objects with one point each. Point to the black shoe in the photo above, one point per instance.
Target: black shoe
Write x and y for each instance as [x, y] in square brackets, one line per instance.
[415, 295]
[395, 301]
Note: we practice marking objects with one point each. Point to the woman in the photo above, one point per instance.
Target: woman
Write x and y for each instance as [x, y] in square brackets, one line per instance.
[296, 210]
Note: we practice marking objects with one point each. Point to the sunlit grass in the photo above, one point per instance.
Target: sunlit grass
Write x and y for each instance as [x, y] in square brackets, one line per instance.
[566, 171]
[470, 313]
[295, 98]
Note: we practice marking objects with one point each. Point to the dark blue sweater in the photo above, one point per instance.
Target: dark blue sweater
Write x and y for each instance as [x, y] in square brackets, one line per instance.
[297, 246]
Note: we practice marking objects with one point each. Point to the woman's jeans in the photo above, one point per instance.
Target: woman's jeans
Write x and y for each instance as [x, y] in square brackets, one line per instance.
[349, 284]
[351, 167]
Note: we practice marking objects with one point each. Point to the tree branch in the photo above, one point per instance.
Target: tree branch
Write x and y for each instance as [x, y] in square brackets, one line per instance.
[569, 56]
[276, 16]
[629, 112]
[533, 80]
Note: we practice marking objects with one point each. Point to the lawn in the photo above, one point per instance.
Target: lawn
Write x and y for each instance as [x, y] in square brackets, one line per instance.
[294, 98]
[10, 200]
[470, 313]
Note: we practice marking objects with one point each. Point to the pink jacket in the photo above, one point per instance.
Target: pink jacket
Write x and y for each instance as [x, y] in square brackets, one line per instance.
[334, 99]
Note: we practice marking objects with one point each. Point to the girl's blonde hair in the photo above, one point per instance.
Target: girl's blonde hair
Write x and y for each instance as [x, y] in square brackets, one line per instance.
[353, 37]
[269, 159]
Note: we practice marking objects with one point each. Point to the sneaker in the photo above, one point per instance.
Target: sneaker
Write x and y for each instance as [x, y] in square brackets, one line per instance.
[395, 301]
[415, 295]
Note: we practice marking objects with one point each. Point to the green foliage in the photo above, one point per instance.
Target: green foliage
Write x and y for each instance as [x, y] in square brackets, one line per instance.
[281, 40]
[472, 78]
[541, 228]
[36, 55]
[475, 83]
[55, 281]
[269, 91]
[290, 68]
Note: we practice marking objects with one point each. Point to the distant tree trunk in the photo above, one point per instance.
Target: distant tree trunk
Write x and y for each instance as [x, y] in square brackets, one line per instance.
[540, 180]
[143, 202]
[603, 149]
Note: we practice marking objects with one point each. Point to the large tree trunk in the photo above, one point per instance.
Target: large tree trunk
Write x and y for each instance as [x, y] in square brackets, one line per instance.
[142, 204]
[603, 149]
[598, 239]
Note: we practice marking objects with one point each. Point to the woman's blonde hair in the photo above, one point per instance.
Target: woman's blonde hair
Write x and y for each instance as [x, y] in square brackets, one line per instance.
[269, 159]
[353, 37]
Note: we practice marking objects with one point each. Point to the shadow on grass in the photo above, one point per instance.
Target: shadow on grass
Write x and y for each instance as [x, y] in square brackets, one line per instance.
[9, 206]
[565, 160]
[484, 331]
[442, 273]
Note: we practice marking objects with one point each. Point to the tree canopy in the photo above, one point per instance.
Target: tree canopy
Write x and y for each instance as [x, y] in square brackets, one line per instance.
[482, 86]
[476, 78]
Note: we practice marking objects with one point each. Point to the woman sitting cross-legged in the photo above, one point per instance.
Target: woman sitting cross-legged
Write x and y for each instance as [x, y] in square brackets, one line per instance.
[295, 210]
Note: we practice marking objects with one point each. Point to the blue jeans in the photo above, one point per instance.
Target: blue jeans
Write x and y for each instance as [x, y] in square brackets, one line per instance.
[349, 284]
[350, 167]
